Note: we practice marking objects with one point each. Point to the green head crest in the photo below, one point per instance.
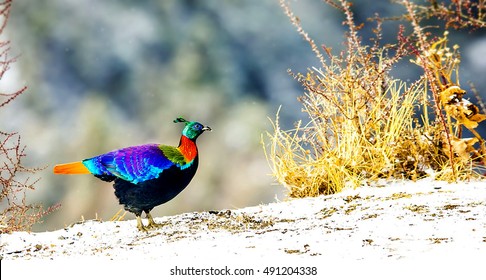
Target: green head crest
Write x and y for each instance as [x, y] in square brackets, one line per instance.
[180, 119]
[192, 129]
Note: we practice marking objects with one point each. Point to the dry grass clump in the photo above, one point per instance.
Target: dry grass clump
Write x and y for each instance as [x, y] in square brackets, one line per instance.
[365, 125]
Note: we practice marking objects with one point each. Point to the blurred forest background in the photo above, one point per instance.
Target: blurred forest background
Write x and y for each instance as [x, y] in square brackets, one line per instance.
[102, 75]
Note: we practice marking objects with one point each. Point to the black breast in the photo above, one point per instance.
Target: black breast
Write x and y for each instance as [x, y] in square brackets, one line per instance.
[144, 196]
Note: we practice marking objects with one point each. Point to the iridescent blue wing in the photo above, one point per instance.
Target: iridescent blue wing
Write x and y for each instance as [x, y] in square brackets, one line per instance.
[134, 164]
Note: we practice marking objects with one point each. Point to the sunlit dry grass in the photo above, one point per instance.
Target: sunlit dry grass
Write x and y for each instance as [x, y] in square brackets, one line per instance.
[364, 125]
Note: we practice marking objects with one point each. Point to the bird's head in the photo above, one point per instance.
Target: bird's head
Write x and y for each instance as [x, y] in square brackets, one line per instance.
[192, 130]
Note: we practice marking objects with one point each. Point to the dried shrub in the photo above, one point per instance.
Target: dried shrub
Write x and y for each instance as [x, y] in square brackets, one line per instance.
[440, 64]
[15, 213]
[365, 125]
[455, 14]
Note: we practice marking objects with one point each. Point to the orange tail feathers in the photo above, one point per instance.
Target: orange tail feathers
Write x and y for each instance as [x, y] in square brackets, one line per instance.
[71, 168]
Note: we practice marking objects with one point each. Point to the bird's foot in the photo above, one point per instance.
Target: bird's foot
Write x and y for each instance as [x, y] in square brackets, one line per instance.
[151, 223]
[140, 225]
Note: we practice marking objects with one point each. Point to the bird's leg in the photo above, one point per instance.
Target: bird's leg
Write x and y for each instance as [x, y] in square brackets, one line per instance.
[140, 225]
[151, 222]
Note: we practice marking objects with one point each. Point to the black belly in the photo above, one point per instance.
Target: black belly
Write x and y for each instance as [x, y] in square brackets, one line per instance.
[144, 196]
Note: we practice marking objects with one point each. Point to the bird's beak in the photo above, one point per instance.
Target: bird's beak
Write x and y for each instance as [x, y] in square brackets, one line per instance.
[207, 128]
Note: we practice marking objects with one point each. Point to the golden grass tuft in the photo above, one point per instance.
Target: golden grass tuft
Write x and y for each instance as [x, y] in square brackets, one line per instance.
[365, 125]
[342, 145]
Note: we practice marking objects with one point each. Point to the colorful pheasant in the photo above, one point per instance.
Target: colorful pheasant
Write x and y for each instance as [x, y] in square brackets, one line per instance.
[145, 176]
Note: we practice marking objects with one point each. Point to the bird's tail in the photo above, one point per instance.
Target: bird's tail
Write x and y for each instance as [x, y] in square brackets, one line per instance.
[71, 168]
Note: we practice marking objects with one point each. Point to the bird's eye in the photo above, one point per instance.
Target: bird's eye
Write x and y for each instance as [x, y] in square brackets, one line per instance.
[197, 126]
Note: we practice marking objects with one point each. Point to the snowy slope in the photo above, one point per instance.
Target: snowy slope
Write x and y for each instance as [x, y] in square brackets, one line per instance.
[403, 221]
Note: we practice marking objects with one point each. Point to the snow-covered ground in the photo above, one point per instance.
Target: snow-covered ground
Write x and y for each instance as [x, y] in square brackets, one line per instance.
[424, 222]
